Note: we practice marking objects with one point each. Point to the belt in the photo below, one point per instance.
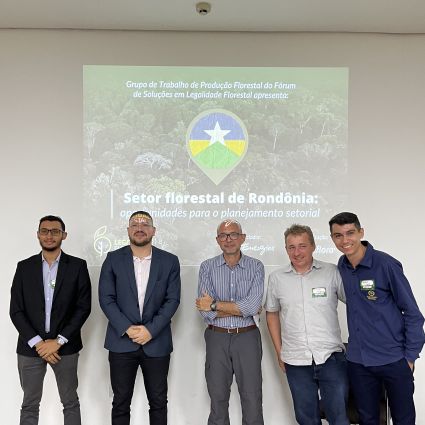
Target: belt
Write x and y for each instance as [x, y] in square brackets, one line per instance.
[232, 330]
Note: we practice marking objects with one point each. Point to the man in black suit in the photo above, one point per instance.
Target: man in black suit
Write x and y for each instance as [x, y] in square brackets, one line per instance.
[139, 292]
[50, 301]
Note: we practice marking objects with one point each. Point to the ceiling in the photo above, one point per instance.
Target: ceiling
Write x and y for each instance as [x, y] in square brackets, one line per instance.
[382, 16]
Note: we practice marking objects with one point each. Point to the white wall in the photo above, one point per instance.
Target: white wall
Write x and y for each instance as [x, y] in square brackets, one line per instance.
[40, 166]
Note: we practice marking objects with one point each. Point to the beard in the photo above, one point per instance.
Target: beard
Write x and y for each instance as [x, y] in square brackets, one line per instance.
[50, 248]
[144, 242]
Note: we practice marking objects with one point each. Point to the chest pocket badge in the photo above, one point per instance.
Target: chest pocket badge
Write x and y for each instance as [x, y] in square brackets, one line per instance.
[367, 285]
[318, 293]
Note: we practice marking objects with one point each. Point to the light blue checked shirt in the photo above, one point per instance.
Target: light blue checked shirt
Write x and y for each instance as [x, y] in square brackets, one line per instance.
[242, 284]
[49, 283]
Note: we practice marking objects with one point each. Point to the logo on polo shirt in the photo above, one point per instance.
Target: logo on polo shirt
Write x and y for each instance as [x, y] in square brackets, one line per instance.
[371, 295]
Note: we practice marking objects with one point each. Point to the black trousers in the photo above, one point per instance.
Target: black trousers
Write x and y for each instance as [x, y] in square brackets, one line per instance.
[123, 369]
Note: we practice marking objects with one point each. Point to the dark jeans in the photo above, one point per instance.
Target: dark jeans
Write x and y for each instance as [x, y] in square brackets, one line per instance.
[366, 385]
[332, 381]
[31, 374]
[123, 369]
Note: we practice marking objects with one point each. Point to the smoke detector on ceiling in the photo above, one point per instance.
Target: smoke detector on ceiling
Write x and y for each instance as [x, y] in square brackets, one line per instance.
[203, 8]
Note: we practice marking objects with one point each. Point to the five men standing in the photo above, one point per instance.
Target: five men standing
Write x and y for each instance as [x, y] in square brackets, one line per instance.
[230, 292]
[139, 292]
[50, 301]
[302, 318]
[385, 325]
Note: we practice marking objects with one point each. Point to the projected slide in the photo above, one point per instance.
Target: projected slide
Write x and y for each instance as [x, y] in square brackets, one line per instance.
[196, 145]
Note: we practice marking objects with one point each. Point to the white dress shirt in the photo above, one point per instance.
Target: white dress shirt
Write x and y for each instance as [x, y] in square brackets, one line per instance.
[142, 268]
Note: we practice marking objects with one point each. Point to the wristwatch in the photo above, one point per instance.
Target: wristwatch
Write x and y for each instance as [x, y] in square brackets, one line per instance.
[60, 341]
[213, 305]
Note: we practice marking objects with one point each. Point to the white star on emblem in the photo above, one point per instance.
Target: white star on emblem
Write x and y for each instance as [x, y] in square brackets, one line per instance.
[217, 134]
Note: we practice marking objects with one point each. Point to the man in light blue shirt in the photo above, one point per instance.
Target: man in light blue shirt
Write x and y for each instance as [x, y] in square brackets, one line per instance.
[230, 292]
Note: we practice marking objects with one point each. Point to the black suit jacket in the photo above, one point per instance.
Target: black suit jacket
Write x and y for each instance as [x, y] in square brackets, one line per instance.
[70, 308]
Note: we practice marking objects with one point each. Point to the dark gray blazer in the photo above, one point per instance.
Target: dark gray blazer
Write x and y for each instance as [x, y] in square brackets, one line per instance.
[119, 300]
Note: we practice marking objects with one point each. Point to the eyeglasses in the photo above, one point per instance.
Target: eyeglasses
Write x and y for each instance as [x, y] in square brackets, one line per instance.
[223, 236]
[53, 232]
[135, 226]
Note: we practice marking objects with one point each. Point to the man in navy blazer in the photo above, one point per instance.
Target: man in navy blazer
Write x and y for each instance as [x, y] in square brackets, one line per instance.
[50, 301]
[139, 292]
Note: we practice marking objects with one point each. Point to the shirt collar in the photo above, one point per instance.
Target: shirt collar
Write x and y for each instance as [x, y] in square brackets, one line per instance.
[149, 257]
[241, 263]
[367, 258]
[43, 260]
[288, 268]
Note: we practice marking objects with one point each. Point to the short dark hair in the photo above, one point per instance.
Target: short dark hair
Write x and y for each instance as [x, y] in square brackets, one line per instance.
[345, 218]
[52, 218]
[141, 213]
[298, 229]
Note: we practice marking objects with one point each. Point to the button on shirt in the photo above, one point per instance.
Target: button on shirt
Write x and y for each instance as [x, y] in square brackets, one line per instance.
[242, 284]
[384, 321]
[49, 283]
[307, 306]
[142, 267]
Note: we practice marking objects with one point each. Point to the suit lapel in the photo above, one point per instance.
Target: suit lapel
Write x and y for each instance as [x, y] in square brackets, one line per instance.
[153, 274]
[60, 276]
[128, 265]
[38, 276]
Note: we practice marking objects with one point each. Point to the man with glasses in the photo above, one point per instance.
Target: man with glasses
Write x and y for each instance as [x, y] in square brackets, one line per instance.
[230, 292]
[302, 318]
[139, 292]
[50, 301]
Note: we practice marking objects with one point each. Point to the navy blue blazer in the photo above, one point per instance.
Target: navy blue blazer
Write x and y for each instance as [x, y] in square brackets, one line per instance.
[119, 300]
[70, 306]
